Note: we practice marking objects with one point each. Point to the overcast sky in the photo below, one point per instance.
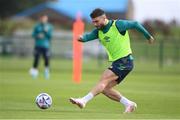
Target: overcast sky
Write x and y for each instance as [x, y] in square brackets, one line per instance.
[157, 9]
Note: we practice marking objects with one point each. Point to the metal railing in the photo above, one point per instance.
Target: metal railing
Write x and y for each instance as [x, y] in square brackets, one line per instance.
[163, 51]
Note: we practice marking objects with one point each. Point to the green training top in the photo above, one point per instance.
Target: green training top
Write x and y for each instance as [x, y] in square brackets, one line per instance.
[42, 33]
[117, 45]
[122, 26]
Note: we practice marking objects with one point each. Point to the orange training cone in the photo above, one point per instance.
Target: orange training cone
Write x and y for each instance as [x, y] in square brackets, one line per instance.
[78, 29]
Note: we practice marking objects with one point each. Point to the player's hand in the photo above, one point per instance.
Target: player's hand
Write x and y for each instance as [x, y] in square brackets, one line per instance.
[80, 38]
[40, 36]
[151, 40]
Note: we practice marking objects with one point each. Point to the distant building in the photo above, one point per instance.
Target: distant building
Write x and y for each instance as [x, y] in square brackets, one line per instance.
[65, 11]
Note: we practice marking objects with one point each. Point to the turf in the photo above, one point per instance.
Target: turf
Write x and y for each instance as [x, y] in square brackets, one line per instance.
[157, 92]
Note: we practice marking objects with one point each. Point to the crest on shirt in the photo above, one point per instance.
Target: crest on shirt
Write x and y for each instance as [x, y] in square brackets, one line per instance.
[107, 39]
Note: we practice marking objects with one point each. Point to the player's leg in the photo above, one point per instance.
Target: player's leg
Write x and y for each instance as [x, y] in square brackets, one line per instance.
[112, 93]
[106, 78]
[46, 57]
[34, 71]
[111, 77]
[121, 68]
[115, 95]
[37, 53]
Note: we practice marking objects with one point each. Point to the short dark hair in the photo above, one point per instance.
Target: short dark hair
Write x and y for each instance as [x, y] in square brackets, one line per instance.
[97, 12]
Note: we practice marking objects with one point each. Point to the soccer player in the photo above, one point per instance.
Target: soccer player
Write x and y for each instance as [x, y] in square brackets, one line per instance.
[42, 35]
[113, 35]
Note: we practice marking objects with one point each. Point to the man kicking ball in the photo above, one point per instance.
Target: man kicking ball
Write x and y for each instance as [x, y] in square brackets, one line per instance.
[113, 35]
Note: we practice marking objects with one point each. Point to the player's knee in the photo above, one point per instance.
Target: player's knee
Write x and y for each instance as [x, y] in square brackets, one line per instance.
[106, 92]
[103, 85]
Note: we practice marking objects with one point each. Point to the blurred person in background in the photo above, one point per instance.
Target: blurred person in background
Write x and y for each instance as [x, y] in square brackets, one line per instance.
[113, 35]
[42, 34]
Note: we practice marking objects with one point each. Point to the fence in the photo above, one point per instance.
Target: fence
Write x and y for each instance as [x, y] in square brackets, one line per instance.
[163, 51]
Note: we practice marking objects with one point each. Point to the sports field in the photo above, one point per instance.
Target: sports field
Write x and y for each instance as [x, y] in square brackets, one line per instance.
[157, 92]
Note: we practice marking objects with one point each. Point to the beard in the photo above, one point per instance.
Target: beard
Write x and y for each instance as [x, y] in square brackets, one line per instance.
[99, 27]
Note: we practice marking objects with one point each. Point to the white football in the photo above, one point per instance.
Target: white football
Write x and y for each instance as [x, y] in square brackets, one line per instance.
[44, 101]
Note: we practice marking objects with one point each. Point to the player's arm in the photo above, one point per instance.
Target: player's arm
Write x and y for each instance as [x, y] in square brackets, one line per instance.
[89, 36]
[48, 31]
[124, 25]
[34, 32]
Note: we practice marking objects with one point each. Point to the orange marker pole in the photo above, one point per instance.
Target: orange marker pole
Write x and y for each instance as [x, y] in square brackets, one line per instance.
[78, 29]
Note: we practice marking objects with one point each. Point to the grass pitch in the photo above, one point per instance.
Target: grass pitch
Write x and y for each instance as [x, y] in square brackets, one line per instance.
[157, 92]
